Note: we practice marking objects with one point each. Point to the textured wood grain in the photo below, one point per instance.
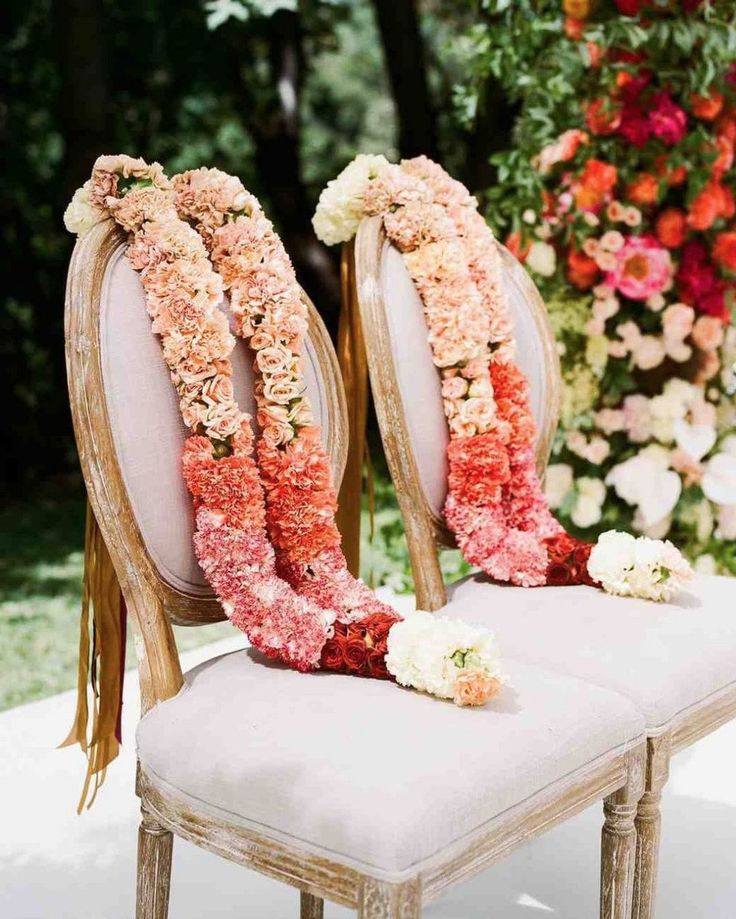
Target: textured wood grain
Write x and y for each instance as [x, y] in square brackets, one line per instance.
[381, 900]
[649, 826]
[155, 845]
[618, 840]
[311, 907]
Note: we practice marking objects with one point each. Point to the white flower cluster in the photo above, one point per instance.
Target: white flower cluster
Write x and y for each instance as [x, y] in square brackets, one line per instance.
[629, 566]
[429, 653]
[80, 215]
[340, 206]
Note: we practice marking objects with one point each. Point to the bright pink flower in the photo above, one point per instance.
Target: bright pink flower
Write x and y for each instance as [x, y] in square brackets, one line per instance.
[667, 120]
[643, 268]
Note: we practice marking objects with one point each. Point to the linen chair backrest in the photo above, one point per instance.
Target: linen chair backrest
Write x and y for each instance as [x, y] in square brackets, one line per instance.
[130, 434]
[406, 385]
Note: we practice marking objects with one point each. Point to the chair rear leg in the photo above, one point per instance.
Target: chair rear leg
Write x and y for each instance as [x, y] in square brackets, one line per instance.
[618, 841]
[649, 827]
[311, 907]
[155, 845]
[380, 900]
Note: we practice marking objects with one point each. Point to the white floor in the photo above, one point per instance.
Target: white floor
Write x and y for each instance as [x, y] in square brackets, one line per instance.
[55, 865]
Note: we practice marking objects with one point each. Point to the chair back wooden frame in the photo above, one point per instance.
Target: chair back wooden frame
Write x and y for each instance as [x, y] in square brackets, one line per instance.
[425, 531]
[154, 604]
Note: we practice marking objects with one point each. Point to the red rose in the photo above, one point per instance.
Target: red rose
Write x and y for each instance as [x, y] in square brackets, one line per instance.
[671, 228]
[332, 657]
[377, 665]
[724, 250]
[634, 127]
[667, 120]
[630, 7]
[355, 654]
[559, 575]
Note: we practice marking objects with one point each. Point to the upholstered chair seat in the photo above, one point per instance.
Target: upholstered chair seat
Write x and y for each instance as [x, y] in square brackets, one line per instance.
[666, 658]
[357, 769]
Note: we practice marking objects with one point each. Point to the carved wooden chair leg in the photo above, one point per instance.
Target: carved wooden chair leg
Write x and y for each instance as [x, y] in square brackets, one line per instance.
[379, 900]
[155, 846]
[649, 827]
[618, 842]
[311, 907]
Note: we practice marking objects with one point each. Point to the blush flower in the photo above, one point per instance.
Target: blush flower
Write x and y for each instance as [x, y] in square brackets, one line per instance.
[643, 268]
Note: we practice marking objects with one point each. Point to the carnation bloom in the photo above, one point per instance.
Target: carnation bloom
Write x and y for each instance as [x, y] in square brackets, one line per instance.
[714, 201]
[671, 228]
[560, 150]
[643, 268]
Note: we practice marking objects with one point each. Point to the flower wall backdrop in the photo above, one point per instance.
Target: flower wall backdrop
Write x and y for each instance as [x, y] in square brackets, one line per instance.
[619, 196]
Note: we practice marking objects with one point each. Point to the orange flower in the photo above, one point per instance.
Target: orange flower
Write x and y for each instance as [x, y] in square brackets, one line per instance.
[601, 117]
[574, 28]
[674, 176]
[671, 227]
[706, 107]
[724, 250]
[599, 176]
[582, 271]
[724, 160]
[644, 189]
[595, 53]
[714, 201]
[475, 687]
[577, 9]
[515, 247]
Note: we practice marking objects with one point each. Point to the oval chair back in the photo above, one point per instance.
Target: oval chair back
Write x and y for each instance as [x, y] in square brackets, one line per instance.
[130, 437]
[407, 394]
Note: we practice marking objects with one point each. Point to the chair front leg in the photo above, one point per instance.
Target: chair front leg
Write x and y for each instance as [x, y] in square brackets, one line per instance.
[155, 845]
[649, 827]
[311, 907]
[618, 841]
[380, 900]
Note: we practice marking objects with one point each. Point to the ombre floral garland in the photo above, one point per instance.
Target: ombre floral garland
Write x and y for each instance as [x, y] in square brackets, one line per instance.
[183, 294]
[495, 506]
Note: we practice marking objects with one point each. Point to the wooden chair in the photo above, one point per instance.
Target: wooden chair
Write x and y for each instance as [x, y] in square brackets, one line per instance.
[676, 662]
[347, 789]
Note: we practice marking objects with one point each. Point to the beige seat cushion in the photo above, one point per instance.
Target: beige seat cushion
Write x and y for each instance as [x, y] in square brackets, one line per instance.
[147, 427]
[665, 657]
[360, 770]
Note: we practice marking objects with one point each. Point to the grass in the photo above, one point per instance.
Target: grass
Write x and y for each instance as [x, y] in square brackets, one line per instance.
[41, 558]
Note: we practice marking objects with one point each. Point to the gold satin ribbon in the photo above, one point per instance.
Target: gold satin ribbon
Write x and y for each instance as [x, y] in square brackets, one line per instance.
[101, 663]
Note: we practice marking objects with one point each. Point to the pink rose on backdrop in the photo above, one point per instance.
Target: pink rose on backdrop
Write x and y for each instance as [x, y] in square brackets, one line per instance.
[667, 120]
[643, 268]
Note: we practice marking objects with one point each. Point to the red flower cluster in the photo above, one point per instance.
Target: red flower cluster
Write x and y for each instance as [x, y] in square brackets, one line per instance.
[568, 561]
[698, 281]
[360, 647]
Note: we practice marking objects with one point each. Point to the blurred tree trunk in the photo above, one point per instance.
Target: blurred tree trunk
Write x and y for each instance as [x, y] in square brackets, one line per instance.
[84, 108]
[275, 130]
[491, 132]
[403, 47]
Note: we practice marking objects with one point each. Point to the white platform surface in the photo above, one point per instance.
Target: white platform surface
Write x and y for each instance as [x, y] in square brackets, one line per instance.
[55, 865]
